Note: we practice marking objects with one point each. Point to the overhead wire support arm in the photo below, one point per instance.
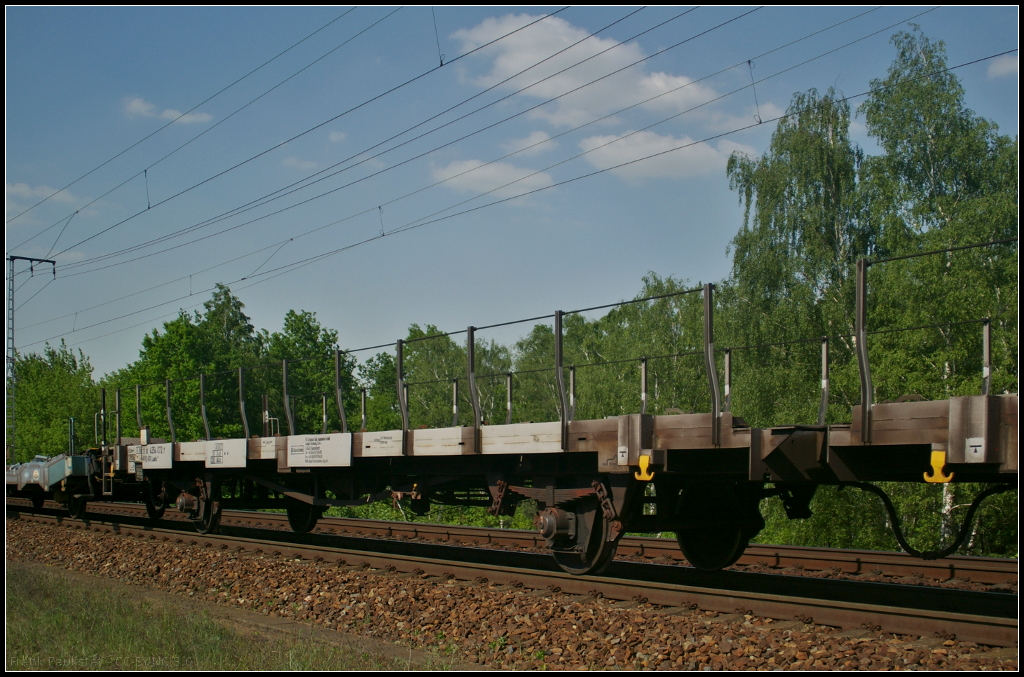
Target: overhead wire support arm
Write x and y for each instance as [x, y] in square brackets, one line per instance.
[10, 390]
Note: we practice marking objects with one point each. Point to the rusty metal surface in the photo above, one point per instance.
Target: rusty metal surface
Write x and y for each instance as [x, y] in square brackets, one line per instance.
[829, 608]
[987, 570]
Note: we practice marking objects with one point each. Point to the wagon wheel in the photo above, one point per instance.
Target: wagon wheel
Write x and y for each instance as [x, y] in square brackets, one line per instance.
[712, 549]
[76, 506]
[302, 517]
[590, 551]
[208, 518]
[720, 519]
[155, 498]
[38, 500]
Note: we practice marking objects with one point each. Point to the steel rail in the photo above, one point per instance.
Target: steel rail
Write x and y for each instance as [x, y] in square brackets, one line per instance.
[791, 558]
[985, 618]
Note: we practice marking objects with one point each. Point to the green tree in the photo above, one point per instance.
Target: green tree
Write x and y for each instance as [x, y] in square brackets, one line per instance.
[50, 389]
[309, 348]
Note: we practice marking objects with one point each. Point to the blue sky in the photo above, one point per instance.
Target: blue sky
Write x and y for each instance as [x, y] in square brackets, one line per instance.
[84, 84]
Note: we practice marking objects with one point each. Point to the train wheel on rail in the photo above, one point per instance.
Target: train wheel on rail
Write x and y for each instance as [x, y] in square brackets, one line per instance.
[76, 506]
[721, 518]
[155, 498]
[578, 536]
[712, 549]
[302, 517]
[202, 505]
[37, 500]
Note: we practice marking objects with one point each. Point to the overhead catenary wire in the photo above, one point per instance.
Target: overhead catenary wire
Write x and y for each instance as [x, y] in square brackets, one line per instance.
[298, 264]
[303, 133]
[145, 171]
[295, 186]
[246, 207]
[171, 122]
[96, 259]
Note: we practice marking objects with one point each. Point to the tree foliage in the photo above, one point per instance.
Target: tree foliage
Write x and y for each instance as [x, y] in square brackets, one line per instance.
[814, 202]
[50, 389]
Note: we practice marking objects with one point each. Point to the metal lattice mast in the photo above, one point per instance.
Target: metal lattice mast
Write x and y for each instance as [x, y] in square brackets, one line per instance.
[11, 384]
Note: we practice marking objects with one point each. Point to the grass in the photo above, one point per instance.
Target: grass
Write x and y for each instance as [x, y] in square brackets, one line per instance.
[54, 623]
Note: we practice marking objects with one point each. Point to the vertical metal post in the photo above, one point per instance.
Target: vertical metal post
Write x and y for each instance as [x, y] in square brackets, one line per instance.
[103, 418]
[508, 398]
[572, 392]
[202, 405]
[362, 408]
[284, 396]
[403, 391]
[170, 417]
[337, 391]
[117, 416]
[455, 402]
[71, 436]
[643, 385]
[266, 415]
[728, 379]
[986, 356]
[560, 380]
[861, 339]
[823, 407]
[106, 460]
[138, 408]
[241, 402]
[11, 380]
[709, 362]
[323, 402]
[474, 394]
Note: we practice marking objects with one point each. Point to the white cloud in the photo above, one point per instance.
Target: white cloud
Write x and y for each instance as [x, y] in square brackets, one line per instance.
[138, 106]
[695, 159]
[529, 46]
[1004, 65]
[530, 145]
[337, 137]
[474, 177]
[20, 196]
[296, 163]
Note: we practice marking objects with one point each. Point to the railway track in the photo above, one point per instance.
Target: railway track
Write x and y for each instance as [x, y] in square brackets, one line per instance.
[984, 617]
[978, 573]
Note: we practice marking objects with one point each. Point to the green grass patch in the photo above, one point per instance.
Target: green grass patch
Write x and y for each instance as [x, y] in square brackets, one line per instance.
[57, 623]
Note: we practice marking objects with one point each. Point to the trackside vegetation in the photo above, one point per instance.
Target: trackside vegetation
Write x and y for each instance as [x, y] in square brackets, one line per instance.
[813, 204]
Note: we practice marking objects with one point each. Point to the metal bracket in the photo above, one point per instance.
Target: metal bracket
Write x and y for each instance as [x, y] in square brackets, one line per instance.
[938, 462]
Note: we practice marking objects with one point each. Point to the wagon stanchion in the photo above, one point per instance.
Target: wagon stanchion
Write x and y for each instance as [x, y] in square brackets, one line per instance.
[337, 392]
[241, 402]
[289, 415]
[986, 356]
[202, 406]
[823, 406]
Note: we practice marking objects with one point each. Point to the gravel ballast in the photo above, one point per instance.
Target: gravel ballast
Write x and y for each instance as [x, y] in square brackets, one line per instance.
[498, 626]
